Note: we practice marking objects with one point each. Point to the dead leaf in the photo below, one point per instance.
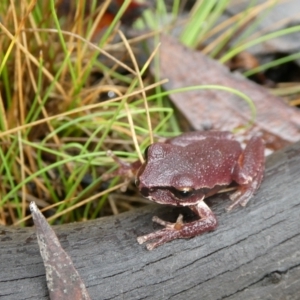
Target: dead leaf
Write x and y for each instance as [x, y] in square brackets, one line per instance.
[215, 109]
[63, 280]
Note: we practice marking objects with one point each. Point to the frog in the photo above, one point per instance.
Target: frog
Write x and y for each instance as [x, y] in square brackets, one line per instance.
[185, 170]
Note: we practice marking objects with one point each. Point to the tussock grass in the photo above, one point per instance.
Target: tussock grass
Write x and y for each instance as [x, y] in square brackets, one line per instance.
[66, 99]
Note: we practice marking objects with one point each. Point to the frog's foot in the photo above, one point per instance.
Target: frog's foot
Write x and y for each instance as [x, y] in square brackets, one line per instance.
[179, 229]
[245, 192]
[248, 172]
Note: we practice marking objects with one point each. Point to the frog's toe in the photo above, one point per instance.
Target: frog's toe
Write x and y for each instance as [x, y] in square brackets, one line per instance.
[167, 237]
[169, 225]
[244, 193]
[162, 236]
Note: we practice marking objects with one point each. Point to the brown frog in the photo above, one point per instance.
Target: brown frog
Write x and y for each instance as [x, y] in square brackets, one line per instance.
[186, 169]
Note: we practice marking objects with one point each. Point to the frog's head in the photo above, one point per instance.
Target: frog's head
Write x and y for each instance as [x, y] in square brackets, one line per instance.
[165, 177]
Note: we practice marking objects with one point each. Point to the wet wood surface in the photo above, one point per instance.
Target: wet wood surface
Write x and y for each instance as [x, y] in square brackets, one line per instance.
[253, 254]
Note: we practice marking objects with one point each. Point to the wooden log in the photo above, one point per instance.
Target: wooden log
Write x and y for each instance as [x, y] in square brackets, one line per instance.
[253, 254]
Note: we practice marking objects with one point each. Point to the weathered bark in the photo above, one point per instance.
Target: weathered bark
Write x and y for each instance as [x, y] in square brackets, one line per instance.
[253, 254]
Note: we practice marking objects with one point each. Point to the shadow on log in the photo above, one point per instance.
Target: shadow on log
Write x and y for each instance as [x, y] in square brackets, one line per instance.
[253, 254]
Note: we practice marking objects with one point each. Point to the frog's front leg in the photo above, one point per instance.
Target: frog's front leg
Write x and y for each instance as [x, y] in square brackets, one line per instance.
[179, 229]
[126, 170]
[248, 172]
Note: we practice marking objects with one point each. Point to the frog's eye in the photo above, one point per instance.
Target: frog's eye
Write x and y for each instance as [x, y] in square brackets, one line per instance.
[146, 152]
[184, 193]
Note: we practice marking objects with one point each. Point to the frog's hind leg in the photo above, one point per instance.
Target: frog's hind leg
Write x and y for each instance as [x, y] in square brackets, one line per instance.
[248, 172]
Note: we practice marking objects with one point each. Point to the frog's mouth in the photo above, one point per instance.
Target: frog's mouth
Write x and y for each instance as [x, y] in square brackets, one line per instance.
[173, 196]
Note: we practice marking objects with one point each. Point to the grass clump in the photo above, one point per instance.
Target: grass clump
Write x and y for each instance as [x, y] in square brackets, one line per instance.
[66, 98]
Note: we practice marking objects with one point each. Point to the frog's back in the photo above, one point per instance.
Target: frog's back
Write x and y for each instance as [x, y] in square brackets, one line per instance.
[211, 161]
[200, 164]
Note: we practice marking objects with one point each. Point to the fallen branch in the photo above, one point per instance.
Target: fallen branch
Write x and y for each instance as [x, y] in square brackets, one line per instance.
[254, 253]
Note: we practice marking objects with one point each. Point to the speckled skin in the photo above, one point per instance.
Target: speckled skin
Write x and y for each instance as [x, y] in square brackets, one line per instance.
[185, 170]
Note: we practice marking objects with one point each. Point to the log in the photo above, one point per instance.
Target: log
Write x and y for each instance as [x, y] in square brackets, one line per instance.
[253, 254]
